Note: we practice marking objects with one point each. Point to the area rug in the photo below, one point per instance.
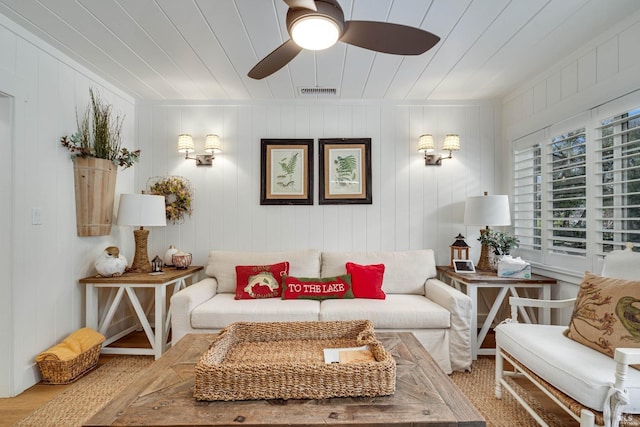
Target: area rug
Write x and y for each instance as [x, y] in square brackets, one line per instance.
[89, 394]
[479, 387]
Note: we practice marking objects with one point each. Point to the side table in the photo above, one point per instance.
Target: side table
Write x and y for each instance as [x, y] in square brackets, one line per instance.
[489, 279]
[127, 284]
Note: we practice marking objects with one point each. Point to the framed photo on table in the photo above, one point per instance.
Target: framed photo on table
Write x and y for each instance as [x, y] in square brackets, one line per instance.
[286, 172]
[463, 266]
[345, 171]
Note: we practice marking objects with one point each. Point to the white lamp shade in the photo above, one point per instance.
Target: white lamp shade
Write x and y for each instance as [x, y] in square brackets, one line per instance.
[451, 142]
[315, 33]
[185, 143]
[142, 210]
[426, 144]
[212, 144]
[487, 210]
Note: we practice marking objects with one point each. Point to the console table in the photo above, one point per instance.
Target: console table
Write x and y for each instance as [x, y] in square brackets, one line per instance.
[471, 282]
[127, 285]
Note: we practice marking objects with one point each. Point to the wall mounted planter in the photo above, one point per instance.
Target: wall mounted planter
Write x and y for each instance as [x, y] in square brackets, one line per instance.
[95, 186]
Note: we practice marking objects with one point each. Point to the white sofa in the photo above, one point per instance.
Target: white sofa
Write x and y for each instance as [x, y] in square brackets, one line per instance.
[437, 314]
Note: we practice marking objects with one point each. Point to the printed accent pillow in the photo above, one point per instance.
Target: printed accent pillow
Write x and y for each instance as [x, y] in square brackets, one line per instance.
[606, 314]
[317, 288]
[260, 281]
[367, 280]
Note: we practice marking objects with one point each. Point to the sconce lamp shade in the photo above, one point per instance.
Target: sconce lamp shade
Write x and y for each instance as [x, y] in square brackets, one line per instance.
[315, 32]
[185, 143]
[142, 210]
[451, 142]
[487, 210]
[426, 144]
[213, 144]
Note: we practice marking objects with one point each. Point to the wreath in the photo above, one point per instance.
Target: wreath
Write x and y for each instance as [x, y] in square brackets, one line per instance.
[177, 194]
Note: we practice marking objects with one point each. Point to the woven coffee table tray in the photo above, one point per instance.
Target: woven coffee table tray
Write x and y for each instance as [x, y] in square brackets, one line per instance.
[285, 360]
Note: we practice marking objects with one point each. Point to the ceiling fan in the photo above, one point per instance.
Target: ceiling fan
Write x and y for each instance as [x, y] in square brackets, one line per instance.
[318, 24]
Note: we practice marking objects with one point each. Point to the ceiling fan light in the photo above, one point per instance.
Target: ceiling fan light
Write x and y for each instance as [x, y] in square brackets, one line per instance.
[315, 32]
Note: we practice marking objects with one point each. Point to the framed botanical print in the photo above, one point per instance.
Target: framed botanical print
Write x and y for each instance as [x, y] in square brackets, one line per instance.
[286, 172]
[345, 171]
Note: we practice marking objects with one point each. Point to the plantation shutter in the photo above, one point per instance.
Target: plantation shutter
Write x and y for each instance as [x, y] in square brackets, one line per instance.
[567, 193]
[527, 194]
[618, 181]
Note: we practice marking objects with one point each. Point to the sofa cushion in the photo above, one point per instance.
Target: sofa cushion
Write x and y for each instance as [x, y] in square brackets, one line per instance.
[366, 280]
[222, 309]
[395, 312]
[552, 356]
[317, 288]
[260, 281]
[606, 314]
[405, 271]
[222, 264]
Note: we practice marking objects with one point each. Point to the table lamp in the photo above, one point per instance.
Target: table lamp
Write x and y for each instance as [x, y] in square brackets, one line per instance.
[141, 210]
[486, 210]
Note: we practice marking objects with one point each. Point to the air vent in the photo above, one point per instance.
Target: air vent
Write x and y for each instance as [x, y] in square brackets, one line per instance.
[318, 91]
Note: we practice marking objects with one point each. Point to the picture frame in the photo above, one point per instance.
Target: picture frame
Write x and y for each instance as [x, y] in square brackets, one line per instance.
[286, 172]
[464, 266]
[344, 171]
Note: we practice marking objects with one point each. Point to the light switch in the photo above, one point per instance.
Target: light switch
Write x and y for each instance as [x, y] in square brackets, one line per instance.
[36, 216]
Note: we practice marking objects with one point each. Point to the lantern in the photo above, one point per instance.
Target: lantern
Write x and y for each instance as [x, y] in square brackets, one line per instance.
[459, 249]
[156, 265]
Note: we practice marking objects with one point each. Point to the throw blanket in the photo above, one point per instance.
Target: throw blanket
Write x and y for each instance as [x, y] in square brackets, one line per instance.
[72, 346]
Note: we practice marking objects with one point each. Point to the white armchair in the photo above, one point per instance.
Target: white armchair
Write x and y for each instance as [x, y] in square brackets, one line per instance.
[590, 386]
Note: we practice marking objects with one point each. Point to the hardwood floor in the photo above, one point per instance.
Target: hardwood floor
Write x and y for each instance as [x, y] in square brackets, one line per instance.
[15, 408]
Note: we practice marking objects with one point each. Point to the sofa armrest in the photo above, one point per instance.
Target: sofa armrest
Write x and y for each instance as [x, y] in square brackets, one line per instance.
[183, 302]
[459, 306]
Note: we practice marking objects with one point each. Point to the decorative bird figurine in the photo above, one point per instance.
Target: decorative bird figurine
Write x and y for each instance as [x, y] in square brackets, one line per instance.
[111, 263]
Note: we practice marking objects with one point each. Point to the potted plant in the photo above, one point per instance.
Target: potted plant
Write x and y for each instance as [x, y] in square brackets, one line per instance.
[499, 243]
[96, 150]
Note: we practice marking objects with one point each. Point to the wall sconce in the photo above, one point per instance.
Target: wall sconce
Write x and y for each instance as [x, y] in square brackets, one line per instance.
[427, 146]
[212, 145]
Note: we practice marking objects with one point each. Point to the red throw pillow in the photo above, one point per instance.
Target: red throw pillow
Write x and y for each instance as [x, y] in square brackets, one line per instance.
[320, 288]
[367, 280]
[260, 281]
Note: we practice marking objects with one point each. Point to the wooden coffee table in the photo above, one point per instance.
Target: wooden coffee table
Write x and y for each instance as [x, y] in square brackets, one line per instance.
[163, 395]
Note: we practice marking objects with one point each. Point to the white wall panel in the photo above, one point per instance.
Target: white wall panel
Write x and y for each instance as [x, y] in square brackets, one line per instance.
[603, 70]
[48, 259]
[607, 59]
[413, 206]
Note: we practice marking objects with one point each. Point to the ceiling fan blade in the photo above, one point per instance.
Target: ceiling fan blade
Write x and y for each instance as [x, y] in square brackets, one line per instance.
[388, 38]
[275, 60]
[301, 4]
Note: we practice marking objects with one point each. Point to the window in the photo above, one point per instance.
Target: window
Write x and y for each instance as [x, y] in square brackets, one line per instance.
[618, 181]
[527, 200]
[576, 188]
[567, 207]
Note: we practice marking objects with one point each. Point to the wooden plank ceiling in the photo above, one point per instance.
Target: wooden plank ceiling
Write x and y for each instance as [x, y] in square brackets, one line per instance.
[203, 49]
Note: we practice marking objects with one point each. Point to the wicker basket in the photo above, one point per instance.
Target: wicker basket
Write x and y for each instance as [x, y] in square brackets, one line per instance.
[285, 360]
[67, 371]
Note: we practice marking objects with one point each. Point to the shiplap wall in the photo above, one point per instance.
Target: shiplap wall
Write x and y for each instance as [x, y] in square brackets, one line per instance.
[46, 302]
[413, 206]
[603, 70]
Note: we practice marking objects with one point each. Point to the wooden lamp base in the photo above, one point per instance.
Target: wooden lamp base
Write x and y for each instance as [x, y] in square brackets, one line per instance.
[141, 263]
